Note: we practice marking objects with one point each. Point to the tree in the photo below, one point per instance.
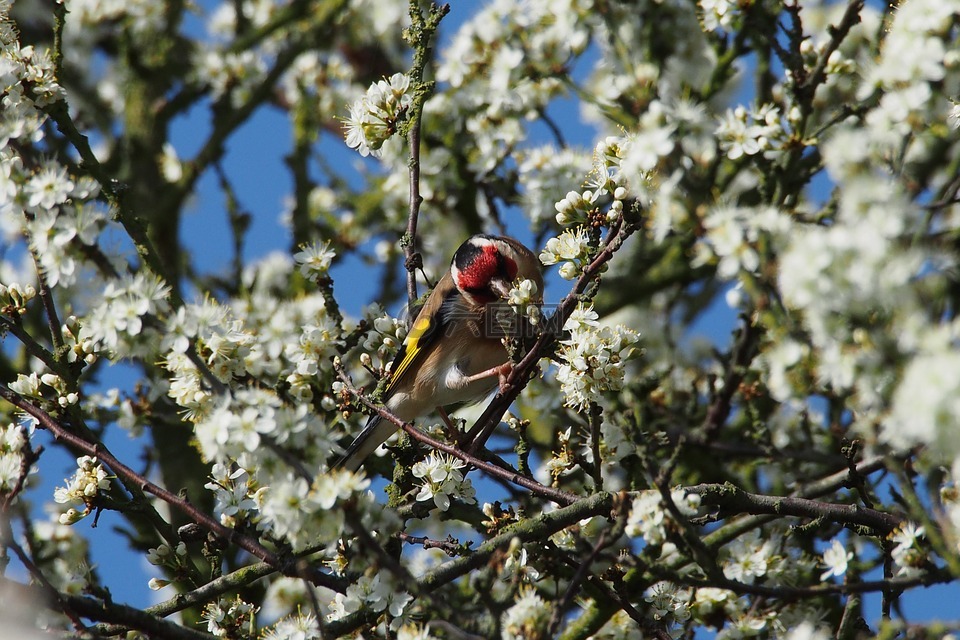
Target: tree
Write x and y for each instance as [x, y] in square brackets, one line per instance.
[792, 166]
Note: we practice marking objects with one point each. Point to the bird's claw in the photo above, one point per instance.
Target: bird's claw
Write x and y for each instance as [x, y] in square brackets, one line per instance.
[503, 373]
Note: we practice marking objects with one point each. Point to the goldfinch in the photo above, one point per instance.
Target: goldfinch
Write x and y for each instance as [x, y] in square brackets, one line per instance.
[454, 351]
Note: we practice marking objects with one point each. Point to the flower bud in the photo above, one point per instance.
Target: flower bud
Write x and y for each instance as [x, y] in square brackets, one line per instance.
[569, 271]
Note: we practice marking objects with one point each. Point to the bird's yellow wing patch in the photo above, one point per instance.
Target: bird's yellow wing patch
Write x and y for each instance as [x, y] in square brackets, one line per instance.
[421, 335]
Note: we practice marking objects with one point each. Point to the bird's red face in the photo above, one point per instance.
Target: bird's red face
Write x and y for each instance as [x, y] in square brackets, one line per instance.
[484, 268]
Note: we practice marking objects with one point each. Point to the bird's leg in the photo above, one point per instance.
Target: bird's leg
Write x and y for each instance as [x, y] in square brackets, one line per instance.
[501, 371]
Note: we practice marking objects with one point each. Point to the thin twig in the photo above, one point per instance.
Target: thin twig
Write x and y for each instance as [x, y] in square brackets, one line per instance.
[46, 297]
[596, 422]
[554, 128]
[420, 33]
[33, 347]
[323, 24]
[743, 353]
[637, 579]
[694, 543]
[449, 546]
[413, 260]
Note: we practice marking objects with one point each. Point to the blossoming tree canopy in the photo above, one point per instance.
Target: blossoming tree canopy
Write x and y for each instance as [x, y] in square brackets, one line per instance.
[734, 413]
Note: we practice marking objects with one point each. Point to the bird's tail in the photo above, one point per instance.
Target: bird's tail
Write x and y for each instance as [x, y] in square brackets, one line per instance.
[374, 433]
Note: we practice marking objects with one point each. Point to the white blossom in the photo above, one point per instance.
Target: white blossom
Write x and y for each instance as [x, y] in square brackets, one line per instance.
[26, 385]
[525, 298]
[232, 74]
[117, 320]
[374, 118]
[10, 470]
[527, 618]
[165, 556]
[49, 187]
[668, 604]
[515, 567]
[442, 480]
[170, 164]
[301, 626]
[314, 260]
[908, 555]
[733, 234]
[807, 630]
[835, 559]
[414, 632]
[228, 618]
[749, 557]
[747, 133]
[718, 13]
[232, 494]
[545, 172]
[572, 245]
[378, 593]
[14, 298]
[648, 515]
[82, 490]
[592, 362]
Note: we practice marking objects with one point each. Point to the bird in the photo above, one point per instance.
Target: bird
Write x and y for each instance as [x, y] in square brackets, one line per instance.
[454, 351]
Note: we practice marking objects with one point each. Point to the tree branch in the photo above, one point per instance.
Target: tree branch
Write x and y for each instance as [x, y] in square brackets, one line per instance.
[790, 593]
[734, 499]
[231, 582]
[574, 586]
[851, 16]
[248, 544]
[33, 347]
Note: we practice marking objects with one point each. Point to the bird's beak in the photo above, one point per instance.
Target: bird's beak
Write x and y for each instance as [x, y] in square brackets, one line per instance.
[501, 287]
